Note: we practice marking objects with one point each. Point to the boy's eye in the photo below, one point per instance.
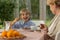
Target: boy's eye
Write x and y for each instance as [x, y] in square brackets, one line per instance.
[24, 14]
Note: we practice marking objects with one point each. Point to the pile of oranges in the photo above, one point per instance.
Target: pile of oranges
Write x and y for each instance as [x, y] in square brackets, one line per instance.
[12, 33]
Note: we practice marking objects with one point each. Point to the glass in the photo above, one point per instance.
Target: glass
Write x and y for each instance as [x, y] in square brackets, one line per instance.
[7, 25]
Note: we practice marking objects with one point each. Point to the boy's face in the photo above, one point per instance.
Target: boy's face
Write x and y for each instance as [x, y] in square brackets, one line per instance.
[25, 16]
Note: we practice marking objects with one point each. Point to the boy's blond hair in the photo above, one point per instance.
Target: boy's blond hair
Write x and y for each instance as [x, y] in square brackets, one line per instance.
[24, 10]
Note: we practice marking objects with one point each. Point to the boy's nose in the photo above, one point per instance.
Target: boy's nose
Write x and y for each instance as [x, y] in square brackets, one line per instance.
[25, 15]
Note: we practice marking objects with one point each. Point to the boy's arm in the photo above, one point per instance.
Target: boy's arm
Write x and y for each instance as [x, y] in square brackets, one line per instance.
[14, 21]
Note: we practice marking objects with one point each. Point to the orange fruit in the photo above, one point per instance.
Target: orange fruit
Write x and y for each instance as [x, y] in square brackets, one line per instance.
[16, 33]
[10, 33]
[4, 33]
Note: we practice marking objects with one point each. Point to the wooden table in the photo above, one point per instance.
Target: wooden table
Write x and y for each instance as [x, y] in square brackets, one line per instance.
[31, 35]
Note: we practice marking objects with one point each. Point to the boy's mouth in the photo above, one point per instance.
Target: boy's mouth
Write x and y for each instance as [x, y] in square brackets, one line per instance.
[26, 18]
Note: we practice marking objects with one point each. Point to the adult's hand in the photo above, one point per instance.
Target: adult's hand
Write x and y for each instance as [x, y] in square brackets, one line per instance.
[43, 27]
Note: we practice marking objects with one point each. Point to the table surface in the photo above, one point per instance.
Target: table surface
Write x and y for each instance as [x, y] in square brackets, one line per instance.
[31, 35]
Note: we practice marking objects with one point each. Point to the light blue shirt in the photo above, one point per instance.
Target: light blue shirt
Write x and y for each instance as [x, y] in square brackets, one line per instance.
[22, 24]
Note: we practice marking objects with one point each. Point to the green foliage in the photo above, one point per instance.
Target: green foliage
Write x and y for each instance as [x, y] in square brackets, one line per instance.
[22, 4]
[35, 9]
[1, 26]
[6, 10]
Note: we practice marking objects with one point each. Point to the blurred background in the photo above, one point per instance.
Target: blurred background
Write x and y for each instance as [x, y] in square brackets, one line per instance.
[9, 9]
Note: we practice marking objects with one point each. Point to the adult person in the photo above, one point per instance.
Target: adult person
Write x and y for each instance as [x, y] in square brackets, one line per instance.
[55, 23]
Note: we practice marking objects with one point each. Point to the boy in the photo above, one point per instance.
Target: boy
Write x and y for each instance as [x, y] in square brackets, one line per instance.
[23, 21]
